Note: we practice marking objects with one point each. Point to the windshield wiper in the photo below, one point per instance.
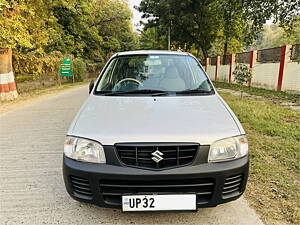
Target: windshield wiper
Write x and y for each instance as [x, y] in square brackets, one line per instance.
[145, 91]
[194, 91]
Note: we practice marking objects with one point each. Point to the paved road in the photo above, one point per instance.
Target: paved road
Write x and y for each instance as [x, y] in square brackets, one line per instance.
[31, 184]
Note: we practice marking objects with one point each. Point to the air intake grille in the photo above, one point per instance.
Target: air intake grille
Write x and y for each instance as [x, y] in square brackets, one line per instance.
[112, 190]
[81, 187]
[171, 155]
[232, 186]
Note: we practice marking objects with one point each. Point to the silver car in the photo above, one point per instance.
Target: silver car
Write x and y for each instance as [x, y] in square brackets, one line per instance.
[154, 135]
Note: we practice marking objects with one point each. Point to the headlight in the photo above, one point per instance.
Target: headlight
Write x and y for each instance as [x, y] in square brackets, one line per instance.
[84, 150]
[228, 149]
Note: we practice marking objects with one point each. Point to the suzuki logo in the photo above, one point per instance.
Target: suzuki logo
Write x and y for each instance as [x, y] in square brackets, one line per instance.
[157, 156]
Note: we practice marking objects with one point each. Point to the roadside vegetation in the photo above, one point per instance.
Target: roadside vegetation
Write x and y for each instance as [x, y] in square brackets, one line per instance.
[230, 26]
[276, 96]
[41, 33]
[274, 137]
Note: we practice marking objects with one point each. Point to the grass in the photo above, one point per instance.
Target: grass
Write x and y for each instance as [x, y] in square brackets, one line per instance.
[269, 94]
[274, 136]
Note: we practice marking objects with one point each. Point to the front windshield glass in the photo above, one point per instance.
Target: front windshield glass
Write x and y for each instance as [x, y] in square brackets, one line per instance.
[168, 73]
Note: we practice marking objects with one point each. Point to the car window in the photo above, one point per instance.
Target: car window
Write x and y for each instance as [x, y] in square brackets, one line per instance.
[171, 73]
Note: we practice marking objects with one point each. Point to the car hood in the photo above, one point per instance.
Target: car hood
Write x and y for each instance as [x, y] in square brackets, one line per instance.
[116, 119]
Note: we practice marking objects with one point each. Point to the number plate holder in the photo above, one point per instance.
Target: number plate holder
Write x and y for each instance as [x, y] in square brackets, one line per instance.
[170, 202]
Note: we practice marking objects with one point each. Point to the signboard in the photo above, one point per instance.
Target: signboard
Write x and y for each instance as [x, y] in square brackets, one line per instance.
[66, 68]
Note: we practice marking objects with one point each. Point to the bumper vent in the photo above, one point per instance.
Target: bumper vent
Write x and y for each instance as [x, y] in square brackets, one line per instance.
[232, 186]
[81, 187]
[168, 156]
[112, 190]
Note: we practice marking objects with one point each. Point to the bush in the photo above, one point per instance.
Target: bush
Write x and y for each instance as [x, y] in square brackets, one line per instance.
[242, 74]
[41, 66]
[94, 69]
[23, 78]
[79, 69]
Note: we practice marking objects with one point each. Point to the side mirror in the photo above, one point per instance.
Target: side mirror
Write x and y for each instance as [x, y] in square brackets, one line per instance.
[91, 86]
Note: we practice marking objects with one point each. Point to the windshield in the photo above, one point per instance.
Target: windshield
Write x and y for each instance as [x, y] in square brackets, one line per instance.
[159, 73]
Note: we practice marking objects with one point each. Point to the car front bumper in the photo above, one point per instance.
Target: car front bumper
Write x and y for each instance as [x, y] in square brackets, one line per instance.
[104, 185]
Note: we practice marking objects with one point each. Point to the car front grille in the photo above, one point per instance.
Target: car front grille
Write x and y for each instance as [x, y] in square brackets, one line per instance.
[81, 187]
[232, 186]
[112, 190]
[172, 155]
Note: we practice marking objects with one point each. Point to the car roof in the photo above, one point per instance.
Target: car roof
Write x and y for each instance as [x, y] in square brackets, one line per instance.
[146, 52]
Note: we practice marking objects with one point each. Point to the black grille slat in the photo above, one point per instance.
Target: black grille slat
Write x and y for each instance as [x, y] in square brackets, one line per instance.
[80, 183]
[232, 186]
[233, 177]
[186, 157]
[187, 150]
[80, 179]
[233, 181]
[230, 191]
[146, 159]
[88, 189]
[141, 155]
[112, 190]
[127, 157]
[81, 187]
[156, 186]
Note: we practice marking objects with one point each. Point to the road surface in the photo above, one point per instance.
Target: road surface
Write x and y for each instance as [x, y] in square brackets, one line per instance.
[31, 184]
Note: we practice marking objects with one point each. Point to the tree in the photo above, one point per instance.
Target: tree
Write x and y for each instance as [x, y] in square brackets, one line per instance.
[209, 24]
[274, 36]
[150, 39]
[85, 28]
[191, 22]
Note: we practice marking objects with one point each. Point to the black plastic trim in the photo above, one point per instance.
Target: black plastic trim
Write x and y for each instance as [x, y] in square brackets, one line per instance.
[94, 173]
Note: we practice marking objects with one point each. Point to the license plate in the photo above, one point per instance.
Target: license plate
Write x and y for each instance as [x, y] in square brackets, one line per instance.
[180, 202]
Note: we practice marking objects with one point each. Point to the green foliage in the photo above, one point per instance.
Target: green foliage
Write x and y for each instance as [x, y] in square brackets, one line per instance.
[40, 65]
[94, 69]
[242, 74]
[23, 78]
[150, 39]
[274, 36]
[41, 32]
[185, 18]
[79, 69]
[215, 26]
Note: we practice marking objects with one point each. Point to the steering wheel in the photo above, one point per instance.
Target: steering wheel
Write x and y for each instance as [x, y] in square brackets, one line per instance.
[128, 79]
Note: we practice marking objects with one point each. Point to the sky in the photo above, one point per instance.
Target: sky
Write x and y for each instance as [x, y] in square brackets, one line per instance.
[136, 14]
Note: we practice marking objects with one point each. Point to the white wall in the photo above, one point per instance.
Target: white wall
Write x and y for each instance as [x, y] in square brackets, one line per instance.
[291, 77]
[265, 75]
[223, 73]
[211, 72]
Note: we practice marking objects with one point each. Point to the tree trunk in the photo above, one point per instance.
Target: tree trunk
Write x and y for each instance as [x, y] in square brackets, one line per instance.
[205, 52]
[8, 89]
[225, 51]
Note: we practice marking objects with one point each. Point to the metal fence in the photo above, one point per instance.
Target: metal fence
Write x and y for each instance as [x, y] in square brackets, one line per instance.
[269, 55]
[225, 60]
[243, 57]
[213, 61]
[295, 52]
